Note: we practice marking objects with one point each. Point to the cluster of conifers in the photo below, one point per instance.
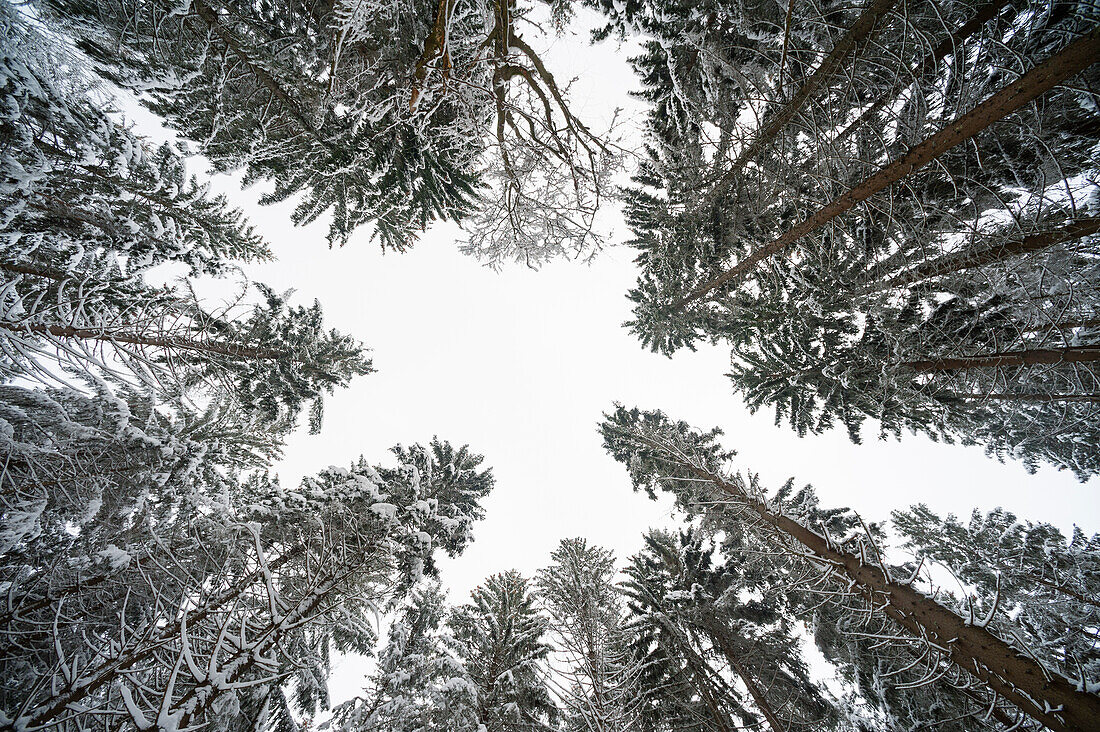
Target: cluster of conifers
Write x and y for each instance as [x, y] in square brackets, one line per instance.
[887, 210]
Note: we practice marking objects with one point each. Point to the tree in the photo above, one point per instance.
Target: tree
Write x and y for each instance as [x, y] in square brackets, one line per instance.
[419, 684]
[289, 577]
[326, 101]
[1029, 571]
[90, 209]
[850, 571]
[598, 686]
[782, 207]
[498, 636]
[693, 608]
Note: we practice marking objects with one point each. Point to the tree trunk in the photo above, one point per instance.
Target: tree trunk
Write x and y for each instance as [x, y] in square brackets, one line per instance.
[1033, 357]
[821, 76]
[1027, 397]
[755, 691]
[1076, 57]
[948, 46]
[980, 256]
[1044, 695]
[435, 46]
[183, 344]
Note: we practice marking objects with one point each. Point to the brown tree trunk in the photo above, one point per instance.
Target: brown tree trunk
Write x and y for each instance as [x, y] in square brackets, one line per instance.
[1076, 57]
[1045, 696]
[755, 691]
[982, 255]
[183, 344]
[821, 76]
[949, 45]
[1027, 397]
[1033, 357]
[435, 46]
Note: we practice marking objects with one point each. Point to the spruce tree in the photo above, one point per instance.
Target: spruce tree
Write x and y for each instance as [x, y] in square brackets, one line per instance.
[499, 637]
[252, 595]
[419, 684]
[694, 604]
[585, 606]
[954, 646]
[390, 114]
[854, 227]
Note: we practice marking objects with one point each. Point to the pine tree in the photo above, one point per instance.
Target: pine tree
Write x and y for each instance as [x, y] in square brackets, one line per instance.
[498, 636]
[419, 684]
[1029, 571]
[331, 102]
[849, 572]
[89, 210]
[72, 180]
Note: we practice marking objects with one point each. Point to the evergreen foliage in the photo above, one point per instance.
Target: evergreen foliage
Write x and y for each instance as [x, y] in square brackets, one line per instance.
[958, 302]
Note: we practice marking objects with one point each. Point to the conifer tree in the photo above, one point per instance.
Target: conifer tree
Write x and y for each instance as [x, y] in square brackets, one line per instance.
[693, 607]
[498, 636]
[854, 227]
[89, 210]
[378, 112]
[251, 596]
[419, 684]
[599, 687]
[955, 646]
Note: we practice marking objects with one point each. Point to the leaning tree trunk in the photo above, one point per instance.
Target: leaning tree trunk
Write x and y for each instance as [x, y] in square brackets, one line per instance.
[979, 256]
[755, 691]
[821, 76]
[1076, 57]
[1032, 397]
[1043, 694]
[1033, 357]
[949, 45]
[134, 339]
[112, 670]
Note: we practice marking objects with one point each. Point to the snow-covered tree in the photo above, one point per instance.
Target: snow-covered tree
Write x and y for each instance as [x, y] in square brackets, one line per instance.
[925, 641]
[250, 599]
[88, 210]
[419, 684]
[594, 678]
[695, 620]
[499, 637]
[388, 113]
[1046, 583]
[888, 210]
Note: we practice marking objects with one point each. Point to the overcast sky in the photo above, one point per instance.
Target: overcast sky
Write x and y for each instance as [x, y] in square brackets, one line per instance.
[520, 365]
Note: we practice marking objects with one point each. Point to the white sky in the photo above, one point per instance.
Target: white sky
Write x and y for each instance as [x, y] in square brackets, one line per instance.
[521, 364]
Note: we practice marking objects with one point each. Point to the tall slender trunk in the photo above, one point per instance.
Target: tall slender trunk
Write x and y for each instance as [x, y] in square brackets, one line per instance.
[1032, 357]
[949, 45]
[755, 691]
[183, 344]
[979, 256]
[1042, 694]
[821, 76]
[1076, 57]
[1025, 397]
